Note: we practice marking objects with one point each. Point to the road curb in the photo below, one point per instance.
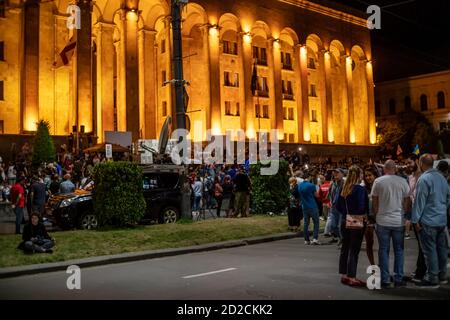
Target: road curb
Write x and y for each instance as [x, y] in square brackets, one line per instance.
[10, 272]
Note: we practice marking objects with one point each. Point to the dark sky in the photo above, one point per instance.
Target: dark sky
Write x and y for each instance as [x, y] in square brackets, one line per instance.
[414, 37]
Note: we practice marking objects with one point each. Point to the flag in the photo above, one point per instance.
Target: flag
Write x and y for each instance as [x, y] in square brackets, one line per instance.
[399, 150]
[254, 83]
[66, 53]
[416, 150]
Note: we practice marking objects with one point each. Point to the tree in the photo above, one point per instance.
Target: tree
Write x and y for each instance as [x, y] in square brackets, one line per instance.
[407, 129]
[43, 147]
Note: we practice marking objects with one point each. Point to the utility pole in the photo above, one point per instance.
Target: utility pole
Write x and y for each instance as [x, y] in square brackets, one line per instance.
[178, 80]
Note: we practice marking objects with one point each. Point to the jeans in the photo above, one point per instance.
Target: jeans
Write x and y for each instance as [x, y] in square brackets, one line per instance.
[19, 217]
[334, 222]
[196, 204]
[307, 214]
[41, 246]
[421, 267]
[384, 235]
[434, 246]
[351, 245]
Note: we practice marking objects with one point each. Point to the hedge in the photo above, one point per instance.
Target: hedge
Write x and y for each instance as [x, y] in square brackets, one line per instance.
[117, 195]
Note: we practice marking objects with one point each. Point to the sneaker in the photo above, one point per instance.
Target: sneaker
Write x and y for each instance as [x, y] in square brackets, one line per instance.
[307, 243]
[427, 285]
[416, 279]
[315, 242]
[356, 283]
[400, 284]
[407, 236]
[327, 235]
[445, 281]
[387, 285]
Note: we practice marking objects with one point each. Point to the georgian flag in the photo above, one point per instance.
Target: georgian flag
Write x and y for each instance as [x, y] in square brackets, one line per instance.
[66, 53]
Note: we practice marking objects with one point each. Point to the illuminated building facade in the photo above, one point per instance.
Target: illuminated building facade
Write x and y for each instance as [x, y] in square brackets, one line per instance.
[315, 77]
[427, 93]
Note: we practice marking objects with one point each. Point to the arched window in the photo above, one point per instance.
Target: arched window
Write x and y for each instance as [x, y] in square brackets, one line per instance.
[423, 102]
[392, 107]
[441, 100]
[407, 103]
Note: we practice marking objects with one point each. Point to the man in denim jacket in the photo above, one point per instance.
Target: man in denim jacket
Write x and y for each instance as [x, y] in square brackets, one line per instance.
[429, 217]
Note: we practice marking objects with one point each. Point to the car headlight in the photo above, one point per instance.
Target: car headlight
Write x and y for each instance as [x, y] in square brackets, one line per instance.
[66, 203]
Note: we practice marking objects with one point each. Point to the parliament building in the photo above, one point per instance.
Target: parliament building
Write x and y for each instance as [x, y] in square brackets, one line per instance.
[312, 58]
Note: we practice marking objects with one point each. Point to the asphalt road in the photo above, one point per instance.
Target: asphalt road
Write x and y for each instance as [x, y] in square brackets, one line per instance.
[285, 269]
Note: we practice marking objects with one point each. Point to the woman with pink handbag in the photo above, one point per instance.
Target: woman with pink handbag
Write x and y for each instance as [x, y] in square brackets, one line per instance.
[353, 203]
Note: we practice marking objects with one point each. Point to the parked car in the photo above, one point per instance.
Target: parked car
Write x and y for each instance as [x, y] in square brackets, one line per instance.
[161, 188]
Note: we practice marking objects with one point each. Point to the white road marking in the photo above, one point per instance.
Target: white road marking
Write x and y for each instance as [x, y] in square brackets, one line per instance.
[208, 273]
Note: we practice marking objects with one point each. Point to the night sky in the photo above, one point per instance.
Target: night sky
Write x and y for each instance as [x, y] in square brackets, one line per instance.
[414, 37]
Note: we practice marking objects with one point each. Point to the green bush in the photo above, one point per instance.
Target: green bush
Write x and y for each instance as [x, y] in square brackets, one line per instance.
[118, 197]
[43, 147]
[270, 193]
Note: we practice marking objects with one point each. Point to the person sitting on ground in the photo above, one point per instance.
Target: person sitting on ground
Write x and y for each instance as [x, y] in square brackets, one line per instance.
[35, 237]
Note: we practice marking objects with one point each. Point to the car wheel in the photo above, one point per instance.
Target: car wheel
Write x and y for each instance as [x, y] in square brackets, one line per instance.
[88, 222]
[169, 215]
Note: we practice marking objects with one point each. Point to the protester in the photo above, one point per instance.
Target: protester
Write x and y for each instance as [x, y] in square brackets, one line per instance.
[294, 206]
[67, 185]
[390, 199]
[334, 218]
[353, 204]
[38, 196]
[18, 201]
[429, 217]
[227, 196]
[35, 237]
[197, 187]
[218, 195]
[307, 193]
[242, 189]
[370, 174]
[413, 167]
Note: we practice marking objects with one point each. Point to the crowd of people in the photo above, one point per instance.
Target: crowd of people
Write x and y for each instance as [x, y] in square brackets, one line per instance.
[27, 189]
[388, 200]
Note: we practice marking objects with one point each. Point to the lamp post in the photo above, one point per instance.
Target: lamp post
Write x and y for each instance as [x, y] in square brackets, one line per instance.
[179, 82]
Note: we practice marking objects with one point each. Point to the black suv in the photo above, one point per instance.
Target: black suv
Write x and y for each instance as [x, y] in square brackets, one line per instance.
[161, 189]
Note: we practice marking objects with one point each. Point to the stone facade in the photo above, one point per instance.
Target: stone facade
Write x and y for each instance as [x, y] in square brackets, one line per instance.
[428, 93]
[315, 77]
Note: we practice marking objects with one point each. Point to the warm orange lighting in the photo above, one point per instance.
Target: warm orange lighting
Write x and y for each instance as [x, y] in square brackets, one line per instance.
[330, 135]
[306, 134]
[352, 136]
[214, 32]
[280, 134]
[247, 37]
[31, 124]
[251, 133]
[132, 16]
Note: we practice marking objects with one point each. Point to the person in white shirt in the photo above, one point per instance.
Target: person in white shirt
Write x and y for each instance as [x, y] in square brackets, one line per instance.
[390, 198]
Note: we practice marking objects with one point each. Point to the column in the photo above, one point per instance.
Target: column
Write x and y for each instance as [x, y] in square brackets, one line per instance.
[105, 79]
[249, 108]
[30, 85]
[345, 101]
[372, 138]
[169, 70]
[304, 90]
[328, 98]
[132, 72]
[215, 113]
[351, 112]
[323, 95]
[298, 93]
[147, 81]
[242, 82]
[83, 93]
[276, 96]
